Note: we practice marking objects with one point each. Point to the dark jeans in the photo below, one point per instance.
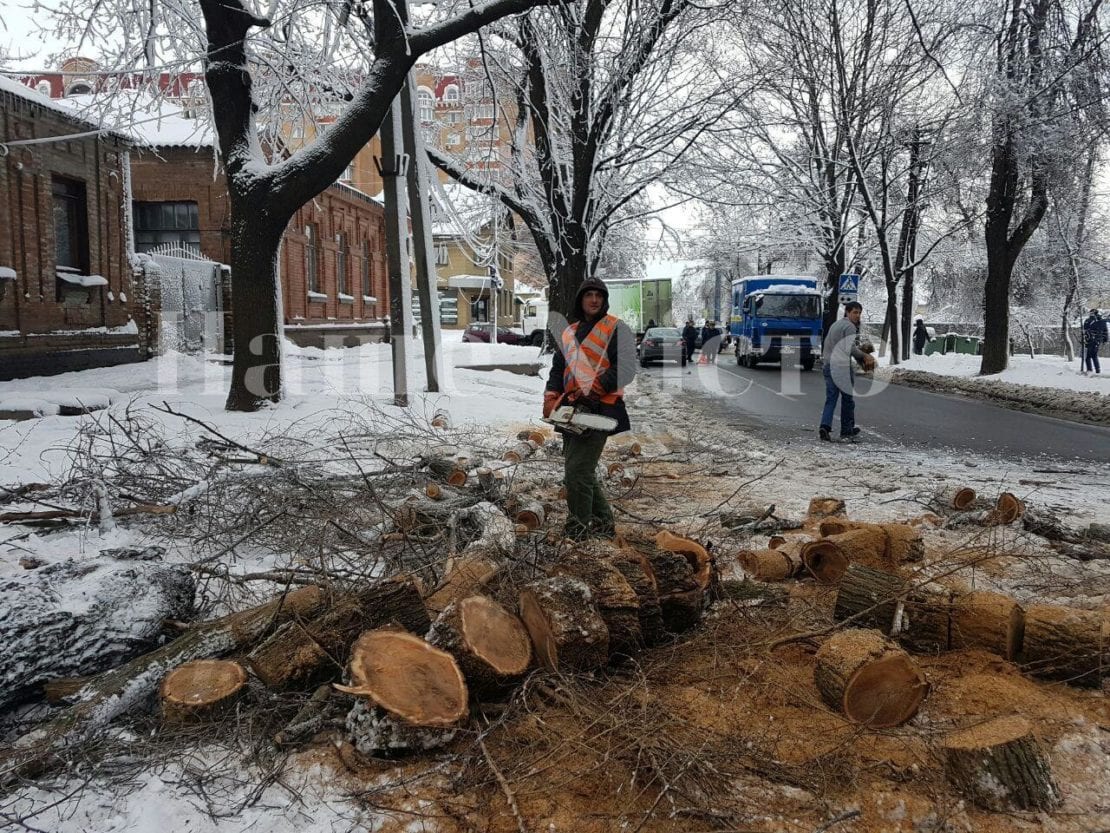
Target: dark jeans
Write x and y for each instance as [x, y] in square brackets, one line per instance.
[833, 391]
[1090, 358]
[587, 509]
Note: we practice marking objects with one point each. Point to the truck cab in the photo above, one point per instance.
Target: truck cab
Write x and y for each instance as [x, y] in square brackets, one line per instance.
[776, 318]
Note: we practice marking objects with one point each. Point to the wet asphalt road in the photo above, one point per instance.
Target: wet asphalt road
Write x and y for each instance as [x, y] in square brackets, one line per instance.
[770, 402]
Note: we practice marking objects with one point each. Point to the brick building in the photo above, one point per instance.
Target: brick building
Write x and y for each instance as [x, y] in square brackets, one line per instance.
[67, 297]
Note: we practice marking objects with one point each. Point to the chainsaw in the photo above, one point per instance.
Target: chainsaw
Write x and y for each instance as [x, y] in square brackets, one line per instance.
[574, 419]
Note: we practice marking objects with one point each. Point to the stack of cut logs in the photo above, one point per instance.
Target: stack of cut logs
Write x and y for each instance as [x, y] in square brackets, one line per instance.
[600, 602]
[865, 672]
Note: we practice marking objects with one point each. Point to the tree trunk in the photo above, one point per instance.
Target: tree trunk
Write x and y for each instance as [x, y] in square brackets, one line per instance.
[465, 576]
[868, 679]
[680, 596]
[613, 595]
[637, 572]
[871, 596]
[124, 605]
[767, 565]
[201, 690]
[1000, 766]
[256, 306]
[115, 692]
[986, 620]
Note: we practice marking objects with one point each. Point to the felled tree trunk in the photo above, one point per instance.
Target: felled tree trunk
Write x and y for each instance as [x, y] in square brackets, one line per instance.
[925, 623]
[108, 695]
[490, 644]
[1008, 509]
[531, 514]
[46, 635]
[681, 598]
[568, 634]
[447, 469]
[1000, 766]
[905, 544]
[521, 451]
[871, 596]
[698, 556]
[1068, 644]
[301, 652]
[774, 564]
[613, 596]
[990, 621]
[868, 679]
[201, 690]
[958, 499]
[637, 572]
[827, 558]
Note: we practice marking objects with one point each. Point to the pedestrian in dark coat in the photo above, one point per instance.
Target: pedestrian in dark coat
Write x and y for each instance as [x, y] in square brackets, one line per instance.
[690, 336]
[1094, 336]
[595, 360]
[920, 336]
[650, 324]
[710, 347]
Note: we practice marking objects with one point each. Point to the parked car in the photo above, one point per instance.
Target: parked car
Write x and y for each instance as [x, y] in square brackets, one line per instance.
[479, 333]
[662, 344]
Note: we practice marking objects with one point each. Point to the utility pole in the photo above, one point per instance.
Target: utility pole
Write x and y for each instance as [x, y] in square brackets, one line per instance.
[426, 279]
[392, 166]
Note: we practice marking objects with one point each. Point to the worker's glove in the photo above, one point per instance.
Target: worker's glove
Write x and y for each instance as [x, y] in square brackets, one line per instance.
[550, 400]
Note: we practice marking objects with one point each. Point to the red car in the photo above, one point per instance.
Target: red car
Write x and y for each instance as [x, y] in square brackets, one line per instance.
[479, 334]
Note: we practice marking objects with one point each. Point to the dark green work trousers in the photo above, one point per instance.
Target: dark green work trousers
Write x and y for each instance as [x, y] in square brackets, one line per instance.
[588, 510]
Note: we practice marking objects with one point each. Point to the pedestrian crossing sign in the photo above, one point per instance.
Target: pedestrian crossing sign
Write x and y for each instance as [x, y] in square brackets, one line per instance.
[848, 288]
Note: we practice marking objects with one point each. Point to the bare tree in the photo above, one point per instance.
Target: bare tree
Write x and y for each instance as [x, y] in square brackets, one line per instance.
[608, 95]
[1047, 68]
[353, 55]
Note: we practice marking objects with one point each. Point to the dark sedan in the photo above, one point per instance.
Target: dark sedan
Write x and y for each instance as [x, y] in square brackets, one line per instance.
[479, 334]
[662, 344]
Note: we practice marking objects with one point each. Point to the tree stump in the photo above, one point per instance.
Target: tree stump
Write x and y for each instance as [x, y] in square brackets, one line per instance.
[872, 596]
[568, 634]
[868, 679]
[407, 677]
[490, 644]
[201, 690]
[613, 595]
[465, 576]
[531, 514]
[1068, 644]
[1000, 766]
[301, 652]
[825, 507]
[991, 621]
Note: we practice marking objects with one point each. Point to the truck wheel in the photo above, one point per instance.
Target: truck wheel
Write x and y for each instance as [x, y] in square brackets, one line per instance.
[752, 360]
[644, 362]
[537, 338]
[808, 362]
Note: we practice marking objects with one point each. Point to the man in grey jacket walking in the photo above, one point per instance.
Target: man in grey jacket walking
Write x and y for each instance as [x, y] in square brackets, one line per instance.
[837, 353]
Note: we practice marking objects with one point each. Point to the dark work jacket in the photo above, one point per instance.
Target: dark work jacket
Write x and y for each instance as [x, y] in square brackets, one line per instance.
[621, 371]
[920, 337]
[1094, 331]
[690, 336]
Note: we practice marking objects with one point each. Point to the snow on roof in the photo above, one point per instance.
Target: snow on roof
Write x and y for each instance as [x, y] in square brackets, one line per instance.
[149, 120]
[57, 105]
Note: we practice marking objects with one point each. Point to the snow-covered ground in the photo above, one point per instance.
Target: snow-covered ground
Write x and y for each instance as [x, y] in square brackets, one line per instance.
[322, 386]
[1042, 371]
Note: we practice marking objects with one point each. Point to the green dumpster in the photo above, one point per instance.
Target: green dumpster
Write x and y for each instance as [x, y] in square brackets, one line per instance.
[934, 345]
[965, 345]
[949, 342]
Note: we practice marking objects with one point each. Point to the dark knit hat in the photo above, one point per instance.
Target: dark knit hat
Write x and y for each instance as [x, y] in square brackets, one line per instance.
[588, 284]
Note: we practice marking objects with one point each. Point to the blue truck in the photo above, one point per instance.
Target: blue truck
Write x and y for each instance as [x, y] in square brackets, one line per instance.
[775, 318]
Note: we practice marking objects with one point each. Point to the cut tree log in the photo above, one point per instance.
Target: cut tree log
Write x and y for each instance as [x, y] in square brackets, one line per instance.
[681, 597]
[533, 435]
[991, 621]
[1008, 509]
[925, 623]
[613, 595]
[962, 499]
[775, 541]
[637, 572]
[905, 544]
[521, 451]
[46, 634]
[447, 469]
[701, 562]
[465, 576]
[531, 514]
[407, 677]
[868, 679]
[490, 644]
[202, 689]
[374, 732]
[300, 653]
[568, 633]
[767, 565]
[434, 491]
[868, 597]
[825, 507]
[825, 560]
[113, 693]
[1066, 643]
[999, 765]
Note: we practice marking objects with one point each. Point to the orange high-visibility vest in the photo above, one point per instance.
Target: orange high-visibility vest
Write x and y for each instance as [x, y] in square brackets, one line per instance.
[587, 360]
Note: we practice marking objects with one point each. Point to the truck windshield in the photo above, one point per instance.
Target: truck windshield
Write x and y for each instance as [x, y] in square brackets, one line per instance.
[788, 306]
